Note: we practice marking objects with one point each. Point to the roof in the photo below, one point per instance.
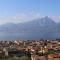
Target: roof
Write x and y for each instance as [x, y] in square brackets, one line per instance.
[53, 56]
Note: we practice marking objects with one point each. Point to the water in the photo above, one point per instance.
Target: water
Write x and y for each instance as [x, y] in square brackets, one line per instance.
[27, 35]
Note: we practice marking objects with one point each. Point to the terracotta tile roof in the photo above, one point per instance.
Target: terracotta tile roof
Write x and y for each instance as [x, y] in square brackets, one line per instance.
[53, 56]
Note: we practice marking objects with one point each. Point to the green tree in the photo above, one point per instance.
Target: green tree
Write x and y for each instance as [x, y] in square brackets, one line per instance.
[24, 58]
[20, 58]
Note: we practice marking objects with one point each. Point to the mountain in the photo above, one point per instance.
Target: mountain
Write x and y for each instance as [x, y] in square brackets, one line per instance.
[38, 25]
[39, 28]
[8, 26]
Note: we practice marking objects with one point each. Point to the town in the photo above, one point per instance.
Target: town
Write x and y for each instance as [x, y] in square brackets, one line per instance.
[30, 50]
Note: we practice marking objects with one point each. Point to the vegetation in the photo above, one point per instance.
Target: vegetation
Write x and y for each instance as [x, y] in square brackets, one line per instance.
[16, 58]
[46, 53]
[20, 58]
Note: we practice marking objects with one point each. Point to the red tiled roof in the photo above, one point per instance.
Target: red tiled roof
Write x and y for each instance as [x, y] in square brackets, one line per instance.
[53, 56]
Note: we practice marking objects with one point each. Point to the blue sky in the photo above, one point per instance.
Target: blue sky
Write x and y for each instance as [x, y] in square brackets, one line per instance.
[25, 10]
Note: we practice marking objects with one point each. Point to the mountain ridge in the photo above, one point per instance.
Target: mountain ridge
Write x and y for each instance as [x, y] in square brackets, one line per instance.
[39, 28]
[45, 24]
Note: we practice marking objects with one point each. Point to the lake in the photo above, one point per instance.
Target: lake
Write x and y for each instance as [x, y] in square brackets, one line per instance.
[27, 35]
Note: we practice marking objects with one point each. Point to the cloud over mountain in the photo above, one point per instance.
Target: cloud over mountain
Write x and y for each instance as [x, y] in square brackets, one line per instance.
[20, 18]
[38, 28]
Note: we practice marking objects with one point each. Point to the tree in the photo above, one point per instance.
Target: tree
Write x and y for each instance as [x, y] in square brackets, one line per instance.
[24, 58]
[20, 58]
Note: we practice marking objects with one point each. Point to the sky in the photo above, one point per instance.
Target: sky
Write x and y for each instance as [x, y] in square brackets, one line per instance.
[19, 11]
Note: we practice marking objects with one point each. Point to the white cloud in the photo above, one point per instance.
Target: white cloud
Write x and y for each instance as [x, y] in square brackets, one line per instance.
[56, 18]
[25, 17]
[19, 18]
